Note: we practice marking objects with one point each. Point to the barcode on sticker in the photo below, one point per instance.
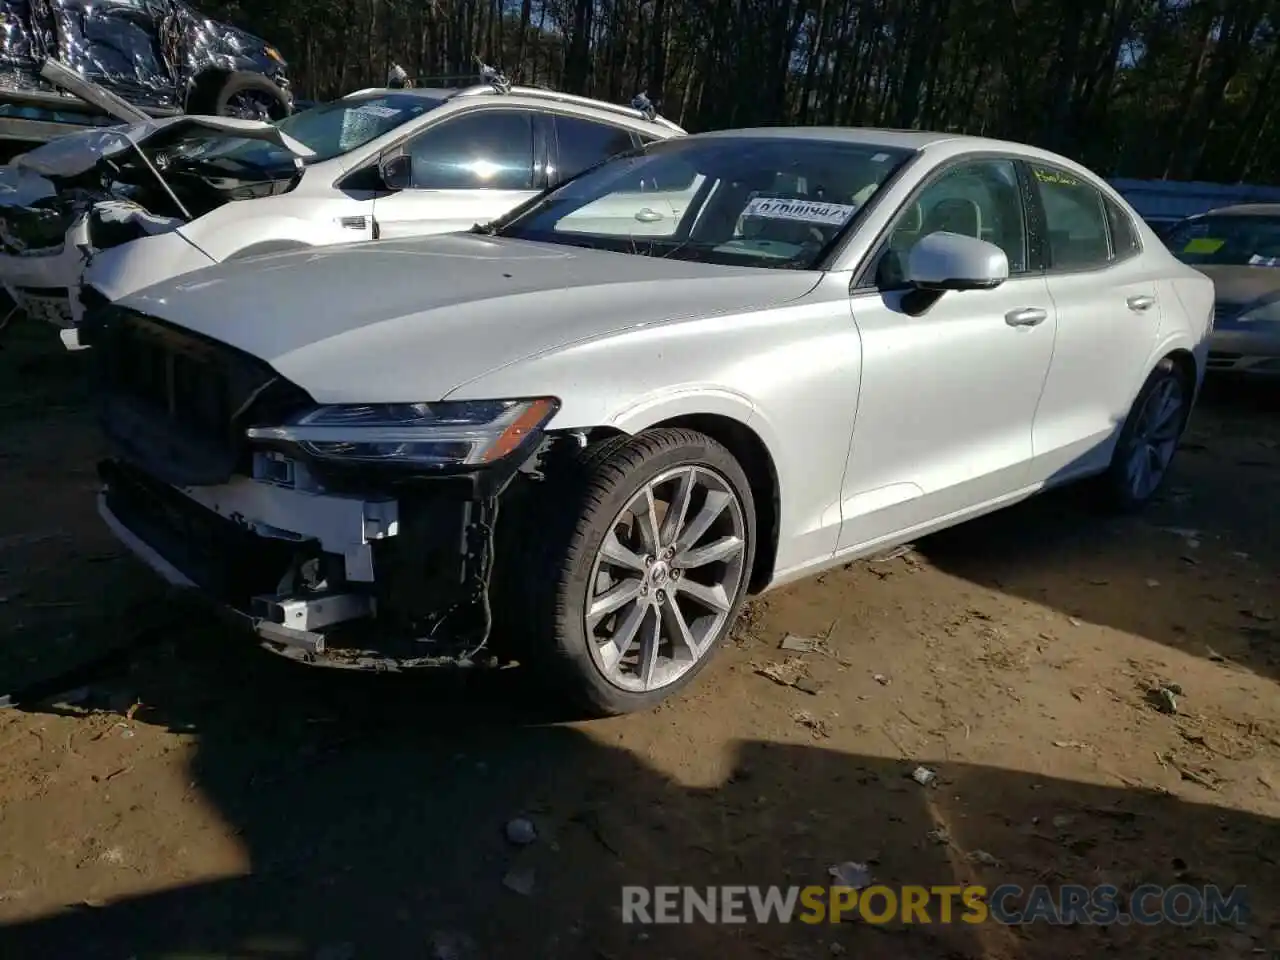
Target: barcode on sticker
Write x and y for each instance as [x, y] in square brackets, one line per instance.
[804, 211]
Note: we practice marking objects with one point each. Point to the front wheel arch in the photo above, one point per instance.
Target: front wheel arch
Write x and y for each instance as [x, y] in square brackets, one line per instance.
[545, 554]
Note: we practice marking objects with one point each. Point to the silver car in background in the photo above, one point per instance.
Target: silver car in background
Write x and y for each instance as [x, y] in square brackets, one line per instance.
[1238, 247]
[581, 440]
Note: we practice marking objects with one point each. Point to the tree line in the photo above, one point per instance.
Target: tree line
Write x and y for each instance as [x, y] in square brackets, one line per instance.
[1178, 89]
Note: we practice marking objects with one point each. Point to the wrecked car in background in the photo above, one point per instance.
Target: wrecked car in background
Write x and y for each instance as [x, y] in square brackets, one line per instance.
[160, 55]
[103, 187]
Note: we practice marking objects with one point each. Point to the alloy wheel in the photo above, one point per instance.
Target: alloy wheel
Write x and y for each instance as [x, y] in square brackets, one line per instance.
[1155, 438]
[665, 579]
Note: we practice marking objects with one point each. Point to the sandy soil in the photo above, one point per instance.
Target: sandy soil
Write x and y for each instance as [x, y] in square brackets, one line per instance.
[196, 796]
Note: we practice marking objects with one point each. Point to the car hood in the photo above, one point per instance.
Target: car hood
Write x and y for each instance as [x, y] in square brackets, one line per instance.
[78, 153]
[393, 321]
[1242, 286]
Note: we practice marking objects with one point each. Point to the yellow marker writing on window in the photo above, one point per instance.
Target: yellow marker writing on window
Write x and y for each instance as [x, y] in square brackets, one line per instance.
[1203, 245]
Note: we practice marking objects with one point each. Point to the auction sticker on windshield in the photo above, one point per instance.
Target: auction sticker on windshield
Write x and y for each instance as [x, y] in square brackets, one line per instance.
[804, 211]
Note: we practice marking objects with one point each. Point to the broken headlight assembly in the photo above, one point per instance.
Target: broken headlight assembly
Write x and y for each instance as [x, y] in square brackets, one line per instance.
[447, 437]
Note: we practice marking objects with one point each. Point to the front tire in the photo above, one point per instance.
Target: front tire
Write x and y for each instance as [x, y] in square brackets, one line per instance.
[646, 553]
[1148, 439]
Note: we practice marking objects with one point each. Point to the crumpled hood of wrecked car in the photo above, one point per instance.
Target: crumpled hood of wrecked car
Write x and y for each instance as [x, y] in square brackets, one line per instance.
[412, 320]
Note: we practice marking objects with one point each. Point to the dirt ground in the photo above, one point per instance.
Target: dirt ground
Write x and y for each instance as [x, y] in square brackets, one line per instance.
[198, 797]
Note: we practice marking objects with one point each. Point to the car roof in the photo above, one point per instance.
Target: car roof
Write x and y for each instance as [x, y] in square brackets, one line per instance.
[430, 93]
[1247, 210]
[525, 95]
[872, 136]
[916, 140]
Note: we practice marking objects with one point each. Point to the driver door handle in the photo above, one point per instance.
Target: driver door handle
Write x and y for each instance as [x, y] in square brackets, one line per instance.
[648, 215]
[1140, 302]
[1026, 317]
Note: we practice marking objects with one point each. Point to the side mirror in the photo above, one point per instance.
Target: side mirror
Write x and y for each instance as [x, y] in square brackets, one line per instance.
[951, 261]
[396, 172]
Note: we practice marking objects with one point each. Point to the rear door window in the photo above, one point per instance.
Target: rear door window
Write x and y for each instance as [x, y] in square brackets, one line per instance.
[1075, 219]
[584, 143]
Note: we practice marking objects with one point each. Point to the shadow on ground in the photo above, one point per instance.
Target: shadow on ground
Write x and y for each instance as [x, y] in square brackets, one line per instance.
[1148, 574]
[372, 815]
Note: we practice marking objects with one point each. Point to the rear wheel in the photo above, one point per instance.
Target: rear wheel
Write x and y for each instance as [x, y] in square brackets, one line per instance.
[645, 569]
[1148, 439]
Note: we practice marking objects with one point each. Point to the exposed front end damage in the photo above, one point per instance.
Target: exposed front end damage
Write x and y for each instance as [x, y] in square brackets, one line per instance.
[99, 189]
[366, 566]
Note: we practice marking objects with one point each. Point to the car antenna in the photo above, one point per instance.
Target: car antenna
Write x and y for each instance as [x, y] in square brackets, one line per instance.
[494, 77]
[642, 103]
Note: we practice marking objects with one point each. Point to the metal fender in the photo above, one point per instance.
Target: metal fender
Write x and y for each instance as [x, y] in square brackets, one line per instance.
[225, 239]
[119, 271]
[716, 402]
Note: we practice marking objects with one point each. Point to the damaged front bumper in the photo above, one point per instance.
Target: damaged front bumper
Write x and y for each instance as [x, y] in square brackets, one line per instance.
[43, 282]
[331, 579]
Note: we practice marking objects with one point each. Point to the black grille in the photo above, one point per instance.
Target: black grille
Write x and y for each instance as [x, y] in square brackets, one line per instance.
[228, 560]
[176, 403]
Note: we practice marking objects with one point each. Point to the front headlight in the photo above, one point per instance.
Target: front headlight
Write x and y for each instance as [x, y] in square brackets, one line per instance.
[274, 54]
[441, 435]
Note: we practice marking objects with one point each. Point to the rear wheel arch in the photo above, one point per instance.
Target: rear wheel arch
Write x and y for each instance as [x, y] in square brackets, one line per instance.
[1184, 362]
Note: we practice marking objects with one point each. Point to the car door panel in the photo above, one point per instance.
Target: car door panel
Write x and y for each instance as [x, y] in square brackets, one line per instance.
[949, 392]
[946, 406]
[1108, 307]
[413, 213]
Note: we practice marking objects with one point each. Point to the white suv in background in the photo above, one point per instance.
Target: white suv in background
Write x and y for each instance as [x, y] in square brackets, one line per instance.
[376, 163]
[387, 163]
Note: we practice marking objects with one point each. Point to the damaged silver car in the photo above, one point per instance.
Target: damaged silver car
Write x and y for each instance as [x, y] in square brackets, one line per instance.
[100, 188]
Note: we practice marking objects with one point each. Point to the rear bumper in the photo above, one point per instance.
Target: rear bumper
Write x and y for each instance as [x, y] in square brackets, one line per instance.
[1244, 352]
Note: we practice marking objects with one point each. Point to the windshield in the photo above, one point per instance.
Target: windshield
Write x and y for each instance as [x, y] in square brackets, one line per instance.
[330, 130]
[1235, 240]
[775, 202]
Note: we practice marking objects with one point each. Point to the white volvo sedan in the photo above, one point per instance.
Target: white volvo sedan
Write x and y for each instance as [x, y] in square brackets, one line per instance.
[581, 445]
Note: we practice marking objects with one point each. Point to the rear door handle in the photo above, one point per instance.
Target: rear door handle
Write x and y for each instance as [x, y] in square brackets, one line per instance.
[1140, 302]
[1026, 317]
[648, 215]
